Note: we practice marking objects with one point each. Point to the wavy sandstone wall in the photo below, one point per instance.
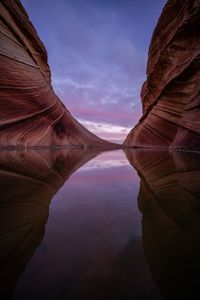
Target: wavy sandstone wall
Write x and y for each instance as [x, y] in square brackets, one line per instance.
[30, 112]
[171, 93]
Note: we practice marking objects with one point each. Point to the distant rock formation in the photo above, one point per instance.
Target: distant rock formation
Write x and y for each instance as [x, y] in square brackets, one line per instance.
[30, 112]
[171, 93]
[169, 202]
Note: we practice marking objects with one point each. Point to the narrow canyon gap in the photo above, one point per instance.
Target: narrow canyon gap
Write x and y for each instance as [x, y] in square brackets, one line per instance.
[32, 115]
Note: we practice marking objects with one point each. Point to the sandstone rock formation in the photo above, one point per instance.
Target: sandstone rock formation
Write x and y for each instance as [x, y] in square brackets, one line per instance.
[171, 93]
[30, 112]
[29, 179]
[169, 202]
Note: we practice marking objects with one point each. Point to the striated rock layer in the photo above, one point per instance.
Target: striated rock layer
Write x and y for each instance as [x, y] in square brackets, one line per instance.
[171, 93]
[30, 112]
[169, 201]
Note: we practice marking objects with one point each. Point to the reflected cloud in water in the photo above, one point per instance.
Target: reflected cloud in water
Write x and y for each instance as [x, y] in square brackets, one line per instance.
[106, 160]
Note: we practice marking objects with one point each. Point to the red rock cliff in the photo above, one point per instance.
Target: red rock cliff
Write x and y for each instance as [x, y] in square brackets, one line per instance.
[171, 93]
[30, 112]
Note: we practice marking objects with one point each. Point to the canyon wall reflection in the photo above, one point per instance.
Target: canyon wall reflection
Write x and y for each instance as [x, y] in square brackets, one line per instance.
[93, 247]
[92, 244]
[28, 181]
[169, 200]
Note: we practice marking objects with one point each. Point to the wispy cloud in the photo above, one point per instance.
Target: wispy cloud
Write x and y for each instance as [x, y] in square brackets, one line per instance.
[107, 130]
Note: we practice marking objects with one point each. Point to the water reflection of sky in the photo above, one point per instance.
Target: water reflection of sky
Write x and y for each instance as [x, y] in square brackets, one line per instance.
[104, 160]
[92, 247]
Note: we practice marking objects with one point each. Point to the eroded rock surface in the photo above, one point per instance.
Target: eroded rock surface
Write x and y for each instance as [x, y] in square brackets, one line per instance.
[30, 112]
[171, 93]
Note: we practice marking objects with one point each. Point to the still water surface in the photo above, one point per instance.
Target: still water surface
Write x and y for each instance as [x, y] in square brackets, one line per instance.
[80, 224]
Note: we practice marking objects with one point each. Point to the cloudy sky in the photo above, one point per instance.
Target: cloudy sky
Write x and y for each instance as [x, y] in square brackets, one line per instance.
[97, 52]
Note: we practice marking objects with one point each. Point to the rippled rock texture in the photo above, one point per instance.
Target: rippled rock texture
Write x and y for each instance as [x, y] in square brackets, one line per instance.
[30, 112]
[169, 201]
[171, 93]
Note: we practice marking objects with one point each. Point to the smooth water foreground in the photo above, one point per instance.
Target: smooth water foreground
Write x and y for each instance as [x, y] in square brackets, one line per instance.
[78, 224]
